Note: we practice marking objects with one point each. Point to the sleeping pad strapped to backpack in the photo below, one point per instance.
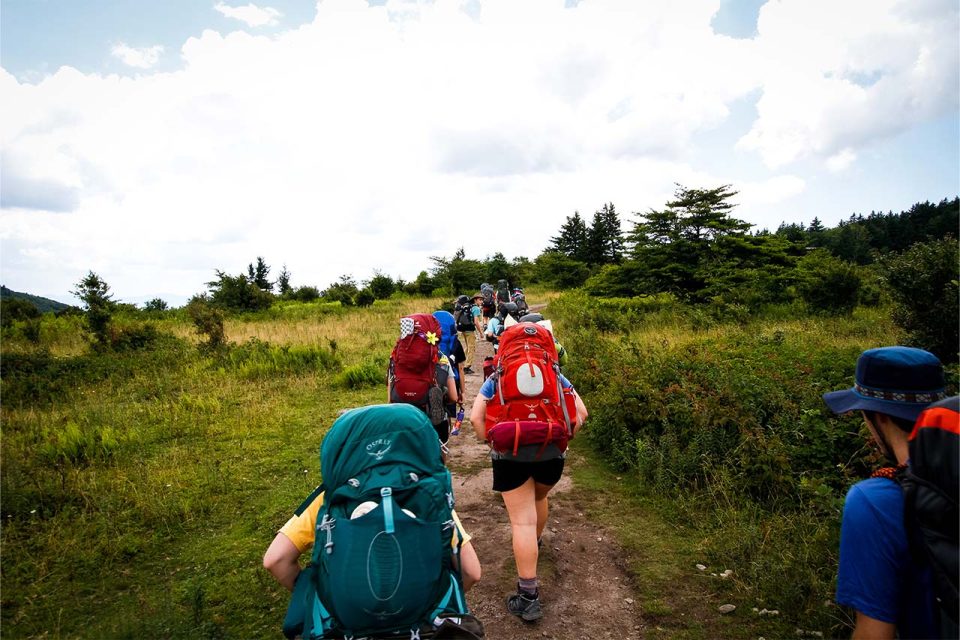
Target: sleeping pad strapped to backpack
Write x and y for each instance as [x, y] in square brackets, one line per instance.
[387, 569]
[414, 359]
[530, 416]
[930, 491]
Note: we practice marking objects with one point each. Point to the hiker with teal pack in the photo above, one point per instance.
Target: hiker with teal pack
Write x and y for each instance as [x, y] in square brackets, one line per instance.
[881, 576]
[389, 556]
[527, 411]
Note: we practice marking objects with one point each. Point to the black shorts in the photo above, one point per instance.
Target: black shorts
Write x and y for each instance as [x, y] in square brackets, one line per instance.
[510, 474]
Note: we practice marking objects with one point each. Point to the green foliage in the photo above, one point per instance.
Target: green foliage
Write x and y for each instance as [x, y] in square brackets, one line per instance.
[283, 283]
[208, 321]
[305, 294]
[14, 309]
[98, 304]
[828, 284]
[42, 304]
[156, 304]
[360, 376]
[342, 291]
[560, 270]
[257, 275]
[572, 239]
[257, 359]
[458, 273]
[237, 293]
[381, 286]
[923, 282]
[364, 298]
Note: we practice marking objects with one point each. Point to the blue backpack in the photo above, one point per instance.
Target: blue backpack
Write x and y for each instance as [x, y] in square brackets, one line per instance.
[448, 336]
[384, 568]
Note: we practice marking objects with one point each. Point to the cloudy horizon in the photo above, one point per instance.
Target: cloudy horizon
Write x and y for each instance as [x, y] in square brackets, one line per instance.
[348, 136]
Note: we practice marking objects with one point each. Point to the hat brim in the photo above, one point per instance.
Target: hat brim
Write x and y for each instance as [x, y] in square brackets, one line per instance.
[849, 400]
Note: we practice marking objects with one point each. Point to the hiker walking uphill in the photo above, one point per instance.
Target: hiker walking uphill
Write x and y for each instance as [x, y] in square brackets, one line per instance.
[419, 374]
[390, 556]
[527, 411]
[898, 538]
[463, 313]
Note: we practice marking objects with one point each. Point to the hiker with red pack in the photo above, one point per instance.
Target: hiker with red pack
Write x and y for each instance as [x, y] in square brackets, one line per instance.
[527, 411]
[898, 538]
[419, 374]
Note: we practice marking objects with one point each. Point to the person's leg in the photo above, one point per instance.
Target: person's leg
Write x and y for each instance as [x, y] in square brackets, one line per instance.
[542, 506]
[545, 475]
[469, 346]
[522, 511]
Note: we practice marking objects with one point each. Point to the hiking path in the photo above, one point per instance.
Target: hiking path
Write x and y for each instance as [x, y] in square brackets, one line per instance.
[585, 591]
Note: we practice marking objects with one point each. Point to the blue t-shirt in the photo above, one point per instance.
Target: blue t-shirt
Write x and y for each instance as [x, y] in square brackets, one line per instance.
[475, 311]
[487, 389]
[495, 326]
[877, 575]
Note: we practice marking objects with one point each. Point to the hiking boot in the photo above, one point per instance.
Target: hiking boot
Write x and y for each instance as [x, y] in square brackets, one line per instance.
[526, 607]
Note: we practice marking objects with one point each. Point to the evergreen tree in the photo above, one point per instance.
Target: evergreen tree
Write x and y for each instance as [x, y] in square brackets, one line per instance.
[283, 282]
[572, 240]
[98, 304]
[257, 275]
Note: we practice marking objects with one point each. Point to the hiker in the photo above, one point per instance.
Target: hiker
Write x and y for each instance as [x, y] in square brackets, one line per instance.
[463, 312]
[488, 304]
[419, 374]
[451, 347]
[379, 460]
[878, 576]
[497, 324]
[527, 411]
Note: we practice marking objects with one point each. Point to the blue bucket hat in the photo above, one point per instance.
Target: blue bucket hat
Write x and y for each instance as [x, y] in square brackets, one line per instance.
[897, 381]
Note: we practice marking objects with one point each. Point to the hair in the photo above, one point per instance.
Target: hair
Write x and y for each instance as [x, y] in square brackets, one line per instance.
[902, 423]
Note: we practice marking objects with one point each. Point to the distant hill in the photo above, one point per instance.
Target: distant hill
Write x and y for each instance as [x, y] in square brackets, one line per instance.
[43, 304]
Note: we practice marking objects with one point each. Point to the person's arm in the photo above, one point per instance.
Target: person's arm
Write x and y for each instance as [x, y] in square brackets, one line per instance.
[478, 416]
[281, 560]
[451, 386]
[582, 413]
[469, 566]
[868, 628]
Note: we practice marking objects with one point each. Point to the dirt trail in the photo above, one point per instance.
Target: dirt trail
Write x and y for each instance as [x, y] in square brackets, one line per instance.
[584, 590]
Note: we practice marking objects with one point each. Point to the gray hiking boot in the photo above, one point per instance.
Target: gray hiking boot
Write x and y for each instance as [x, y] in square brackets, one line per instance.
[524, 606]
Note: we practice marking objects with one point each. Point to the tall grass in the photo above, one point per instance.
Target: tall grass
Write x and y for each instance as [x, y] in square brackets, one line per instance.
[719, 415]
[140, 488]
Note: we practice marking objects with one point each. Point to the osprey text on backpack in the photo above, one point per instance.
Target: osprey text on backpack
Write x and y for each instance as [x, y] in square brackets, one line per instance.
[530, 416]
[382, 557]
[930, 491]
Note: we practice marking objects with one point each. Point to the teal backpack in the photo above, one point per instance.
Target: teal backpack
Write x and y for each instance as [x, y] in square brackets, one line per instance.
[387, 572]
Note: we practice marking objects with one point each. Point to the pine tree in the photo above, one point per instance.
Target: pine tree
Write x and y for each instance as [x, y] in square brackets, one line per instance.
[572, 240]
[258, 275]
[283, 282]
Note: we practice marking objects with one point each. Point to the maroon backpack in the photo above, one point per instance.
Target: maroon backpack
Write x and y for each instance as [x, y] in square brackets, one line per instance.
[414, 358]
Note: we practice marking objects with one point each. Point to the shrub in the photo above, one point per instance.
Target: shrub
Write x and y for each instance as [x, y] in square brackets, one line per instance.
[923, 282]
[360, 376]
[208, 321]
[12, 309]
[828, 284]
[364, 298]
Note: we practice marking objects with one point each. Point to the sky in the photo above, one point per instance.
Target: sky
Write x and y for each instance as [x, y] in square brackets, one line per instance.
[157, 142]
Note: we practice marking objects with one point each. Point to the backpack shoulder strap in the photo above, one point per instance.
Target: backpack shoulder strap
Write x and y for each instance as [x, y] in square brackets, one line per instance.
[313, 496]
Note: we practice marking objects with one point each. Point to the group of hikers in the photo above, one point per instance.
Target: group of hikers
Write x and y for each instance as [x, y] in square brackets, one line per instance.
[391, 558]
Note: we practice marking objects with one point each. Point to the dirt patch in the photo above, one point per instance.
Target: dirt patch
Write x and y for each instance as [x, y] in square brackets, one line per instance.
[585, 590]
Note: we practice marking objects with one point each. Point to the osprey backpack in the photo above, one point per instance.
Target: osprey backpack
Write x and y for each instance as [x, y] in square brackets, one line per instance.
[529, 405]
[414, 358]
[382, 556]
[930, 490]
[503, 291]
[463, 313]
[489, 305]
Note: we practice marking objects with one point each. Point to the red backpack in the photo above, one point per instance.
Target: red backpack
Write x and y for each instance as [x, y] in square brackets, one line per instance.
[414, 359]
[529, 404]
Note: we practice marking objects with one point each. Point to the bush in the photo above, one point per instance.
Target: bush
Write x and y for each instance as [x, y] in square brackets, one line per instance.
[828, 284]
[364, 298]
[306, 294]
[923, 282]
[361, 376]
[12, 309]
[257, 359]
[208, 321]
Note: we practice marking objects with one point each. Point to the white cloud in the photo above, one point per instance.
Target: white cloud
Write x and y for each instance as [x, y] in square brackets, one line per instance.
[250, 14]
[840, 161]
[379, 136]
[142, 58]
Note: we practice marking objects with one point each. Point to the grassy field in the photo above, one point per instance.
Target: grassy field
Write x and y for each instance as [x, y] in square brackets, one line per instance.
[140, 489]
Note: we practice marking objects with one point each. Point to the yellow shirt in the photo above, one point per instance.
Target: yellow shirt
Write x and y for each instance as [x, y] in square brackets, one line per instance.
[300, 529]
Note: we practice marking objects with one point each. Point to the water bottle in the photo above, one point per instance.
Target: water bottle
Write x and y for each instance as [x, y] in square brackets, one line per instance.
[456, 425]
